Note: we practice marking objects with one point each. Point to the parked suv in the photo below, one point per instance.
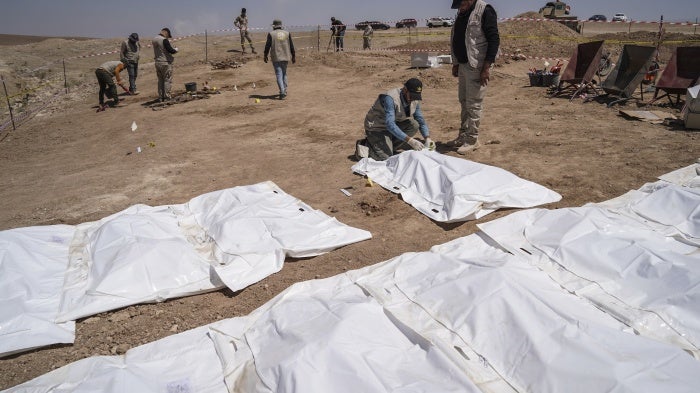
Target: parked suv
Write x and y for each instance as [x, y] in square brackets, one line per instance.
[619, 17]
[376, 25]
[439, 21]
[406, 23]
[598, 18]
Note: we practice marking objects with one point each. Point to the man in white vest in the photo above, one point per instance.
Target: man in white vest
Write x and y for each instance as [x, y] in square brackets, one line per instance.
[393, 120]
[475, 41]
[163, 53]
[280, 47]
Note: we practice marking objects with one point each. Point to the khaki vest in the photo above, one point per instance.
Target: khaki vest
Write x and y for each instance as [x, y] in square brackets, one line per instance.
[475, 39]
[110, 66]
[375, 119]
[130, 51]
[161, 55]
[280, 50]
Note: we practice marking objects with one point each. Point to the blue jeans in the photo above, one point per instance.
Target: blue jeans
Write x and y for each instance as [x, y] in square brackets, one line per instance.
[133, 70]
[281, 73]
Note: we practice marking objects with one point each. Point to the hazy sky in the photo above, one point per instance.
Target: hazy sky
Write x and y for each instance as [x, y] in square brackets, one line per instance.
[108, 18]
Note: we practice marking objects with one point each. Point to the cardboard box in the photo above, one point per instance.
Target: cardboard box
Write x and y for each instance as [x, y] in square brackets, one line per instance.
[692, 120]
[691, 99]
[444, 59]
[423, 60]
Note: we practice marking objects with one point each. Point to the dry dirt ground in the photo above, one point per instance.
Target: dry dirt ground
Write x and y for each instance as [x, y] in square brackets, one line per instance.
[72, 165]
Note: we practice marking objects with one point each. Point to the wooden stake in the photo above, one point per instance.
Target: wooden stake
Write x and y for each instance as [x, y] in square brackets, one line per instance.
[12, 117]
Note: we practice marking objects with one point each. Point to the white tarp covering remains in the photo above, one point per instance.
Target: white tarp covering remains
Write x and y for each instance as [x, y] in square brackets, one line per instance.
[32, 267]
[233, 238]
[465, 317]
[449, 189]
[252, 230]
[639, 261]
[184, 363]
[687, 177]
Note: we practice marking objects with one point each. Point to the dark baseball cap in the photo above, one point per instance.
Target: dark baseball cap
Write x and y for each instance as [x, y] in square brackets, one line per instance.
[415, 88]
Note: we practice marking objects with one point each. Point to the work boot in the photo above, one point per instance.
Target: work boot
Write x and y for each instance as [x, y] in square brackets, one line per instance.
[283, 96]
[470, 144]
[459, 141]
[253, 50]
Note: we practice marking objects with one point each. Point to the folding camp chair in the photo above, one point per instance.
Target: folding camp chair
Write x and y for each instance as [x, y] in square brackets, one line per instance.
[581, 70]
[628, 73]
[682, 72]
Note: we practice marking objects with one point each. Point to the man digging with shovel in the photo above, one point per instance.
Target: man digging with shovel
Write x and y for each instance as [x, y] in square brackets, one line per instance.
[105, 74]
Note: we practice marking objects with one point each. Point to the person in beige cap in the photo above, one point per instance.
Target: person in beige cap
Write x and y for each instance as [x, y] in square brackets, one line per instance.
[392, 122]
[163, 52]
[280, 48]
[130, 53]
[241, 23]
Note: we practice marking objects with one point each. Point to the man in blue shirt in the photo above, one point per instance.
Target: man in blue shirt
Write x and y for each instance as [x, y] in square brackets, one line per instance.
[394, 119]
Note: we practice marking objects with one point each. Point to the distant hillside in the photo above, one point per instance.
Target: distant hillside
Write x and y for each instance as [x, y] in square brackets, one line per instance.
[14, 39]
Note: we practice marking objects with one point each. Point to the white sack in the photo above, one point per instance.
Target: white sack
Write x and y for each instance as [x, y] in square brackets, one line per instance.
[239, 235]
[33, 262]
[536, 335]
[329, 336]
[184, 363]
[687, 177]
[449, 189]
[253, 228]
[137, 255]
[652, 281]
[368, 331]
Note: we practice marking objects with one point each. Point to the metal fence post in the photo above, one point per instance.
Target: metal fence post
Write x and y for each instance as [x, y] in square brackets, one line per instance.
[12, 117]
[206, 47]
[318, 38]
[65, 80]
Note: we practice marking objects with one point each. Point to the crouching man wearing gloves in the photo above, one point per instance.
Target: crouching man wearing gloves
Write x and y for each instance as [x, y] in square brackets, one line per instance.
[392, 122]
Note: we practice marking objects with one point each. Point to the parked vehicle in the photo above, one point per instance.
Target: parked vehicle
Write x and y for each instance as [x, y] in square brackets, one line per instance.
[406, 23]
[619, 17]
[376, 25]
[561, 12]
[598, 18]
[439, 22]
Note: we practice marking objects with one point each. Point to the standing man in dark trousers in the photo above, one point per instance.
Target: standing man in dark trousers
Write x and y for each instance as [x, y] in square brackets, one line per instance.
[475, 41]
[130, 53]
[163, 53]
[106, 73]
[338, 30]
[281, 48]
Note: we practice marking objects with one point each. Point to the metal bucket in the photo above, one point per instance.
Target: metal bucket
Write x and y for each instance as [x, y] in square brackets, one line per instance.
[191, 87]
[535, 79]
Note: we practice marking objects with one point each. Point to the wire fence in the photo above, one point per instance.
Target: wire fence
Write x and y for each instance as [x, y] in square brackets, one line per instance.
[35, 87]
